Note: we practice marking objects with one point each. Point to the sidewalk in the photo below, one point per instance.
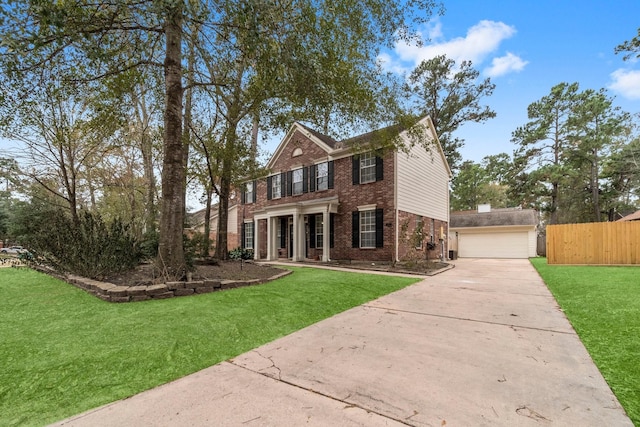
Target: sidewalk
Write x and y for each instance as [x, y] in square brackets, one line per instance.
[481, 344]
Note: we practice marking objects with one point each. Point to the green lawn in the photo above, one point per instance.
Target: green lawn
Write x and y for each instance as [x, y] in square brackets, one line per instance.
[603, 305]
[64, 351]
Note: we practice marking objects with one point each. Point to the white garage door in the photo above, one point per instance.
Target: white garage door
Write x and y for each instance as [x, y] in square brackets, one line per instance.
[493, 245]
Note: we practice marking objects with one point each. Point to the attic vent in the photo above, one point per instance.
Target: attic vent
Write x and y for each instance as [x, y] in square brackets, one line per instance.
[484, 208]
[297, 152]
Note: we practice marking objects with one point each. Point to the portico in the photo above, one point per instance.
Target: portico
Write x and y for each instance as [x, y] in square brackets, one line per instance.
[297, 221]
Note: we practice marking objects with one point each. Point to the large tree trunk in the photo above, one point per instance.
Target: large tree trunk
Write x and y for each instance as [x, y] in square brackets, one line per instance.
[170, 248]
[206, 246]
[223, 214]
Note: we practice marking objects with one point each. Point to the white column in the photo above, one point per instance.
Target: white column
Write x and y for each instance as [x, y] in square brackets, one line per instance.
[295, 237]
[256, 253]
[300, 237]
[270, 238]
[326, 238]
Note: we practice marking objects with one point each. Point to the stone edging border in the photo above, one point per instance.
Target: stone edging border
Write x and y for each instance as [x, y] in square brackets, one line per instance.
[117, 293]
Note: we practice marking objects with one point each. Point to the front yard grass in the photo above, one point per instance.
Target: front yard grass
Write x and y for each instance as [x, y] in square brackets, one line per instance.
[603, 305]
[64, 351]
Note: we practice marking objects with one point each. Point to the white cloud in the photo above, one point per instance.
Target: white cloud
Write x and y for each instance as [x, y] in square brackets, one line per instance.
[480, 41]
[626, 83]
[505, 64]
[387, 63]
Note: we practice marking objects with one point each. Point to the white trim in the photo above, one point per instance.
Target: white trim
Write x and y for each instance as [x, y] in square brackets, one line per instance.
[367, 207]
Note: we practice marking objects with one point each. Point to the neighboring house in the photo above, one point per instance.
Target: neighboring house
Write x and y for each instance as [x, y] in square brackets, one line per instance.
[324, 202]
[196, 221]
[493, 233]
[633, 217]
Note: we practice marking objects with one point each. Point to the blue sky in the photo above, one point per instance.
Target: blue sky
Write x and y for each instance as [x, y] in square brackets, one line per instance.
[527, 47]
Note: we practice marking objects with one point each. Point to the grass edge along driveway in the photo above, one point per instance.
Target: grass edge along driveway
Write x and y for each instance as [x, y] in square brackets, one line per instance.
[64, 351]
[603, 305]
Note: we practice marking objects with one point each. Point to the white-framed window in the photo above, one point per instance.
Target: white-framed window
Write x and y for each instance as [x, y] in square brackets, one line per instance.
[367, 168]
[297, 181]
[319, 231]
[276, 186]
[368, 229]
[248, 197]
[322, 176]
[248, 235]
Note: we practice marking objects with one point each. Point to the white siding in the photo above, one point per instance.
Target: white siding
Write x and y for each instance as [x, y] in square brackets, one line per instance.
[423, 182]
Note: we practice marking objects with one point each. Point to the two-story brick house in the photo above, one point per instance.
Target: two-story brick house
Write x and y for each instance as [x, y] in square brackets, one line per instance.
[323, 201]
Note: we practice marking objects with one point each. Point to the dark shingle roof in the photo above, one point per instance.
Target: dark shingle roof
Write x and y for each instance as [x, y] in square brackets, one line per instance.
[322, 137]
[496, 217]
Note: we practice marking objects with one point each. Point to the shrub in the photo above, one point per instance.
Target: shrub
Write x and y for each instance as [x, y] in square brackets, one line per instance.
[91, 247]
[241, 253]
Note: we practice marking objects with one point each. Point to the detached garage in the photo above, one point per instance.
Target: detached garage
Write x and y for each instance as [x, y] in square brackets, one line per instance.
[498, 233]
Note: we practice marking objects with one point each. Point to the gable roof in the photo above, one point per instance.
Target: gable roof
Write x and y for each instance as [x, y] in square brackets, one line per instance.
[334, 147]
[497, 217]
[633, 217]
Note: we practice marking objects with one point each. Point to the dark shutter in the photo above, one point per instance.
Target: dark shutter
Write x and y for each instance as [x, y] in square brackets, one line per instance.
[269, 192]
[379, 168]
[243, 195]
[289, 183]
[355, 229]
[330, 177]
[283, 183]
[283, 232]
[305, 180]
[312, 231]
[355, 169]
[312, 178]
[242, 236]
[255, 191]
[332, 223]
[379, 228]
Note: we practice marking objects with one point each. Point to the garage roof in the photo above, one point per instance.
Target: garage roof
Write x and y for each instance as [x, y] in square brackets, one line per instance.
[496, 217]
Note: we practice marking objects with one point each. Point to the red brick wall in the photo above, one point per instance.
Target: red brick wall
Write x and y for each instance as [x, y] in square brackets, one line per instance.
[407, 244]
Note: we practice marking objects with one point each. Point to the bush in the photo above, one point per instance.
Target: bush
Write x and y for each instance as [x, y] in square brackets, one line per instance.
[89, 248]
[241, 253]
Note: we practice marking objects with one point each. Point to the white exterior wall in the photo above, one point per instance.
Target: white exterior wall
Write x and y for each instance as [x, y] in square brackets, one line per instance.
[423, 182]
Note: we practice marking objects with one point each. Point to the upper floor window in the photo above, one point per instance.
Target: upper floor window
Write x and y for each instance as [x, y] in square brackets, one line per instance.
[276, 186]
[297, 177]
[322, 176]
[249, 193]
[367, 168]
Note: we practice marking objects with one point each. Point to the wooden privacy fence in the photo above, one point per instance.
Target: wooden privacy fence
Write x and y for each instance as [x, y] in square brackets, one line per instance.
[598, 243]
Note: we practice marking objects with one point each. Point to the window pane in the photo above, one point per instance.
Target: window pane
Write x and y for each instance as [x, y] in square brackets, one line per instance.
[249, 194]
[248, 235]
[275, 187]
[367, 229]
[297, 181]
[322, 177]
[367, 168]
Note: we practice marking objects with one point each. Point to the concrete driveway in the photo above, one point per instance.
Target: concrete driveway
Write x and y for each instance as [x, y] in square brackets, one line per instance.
[483, 344]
